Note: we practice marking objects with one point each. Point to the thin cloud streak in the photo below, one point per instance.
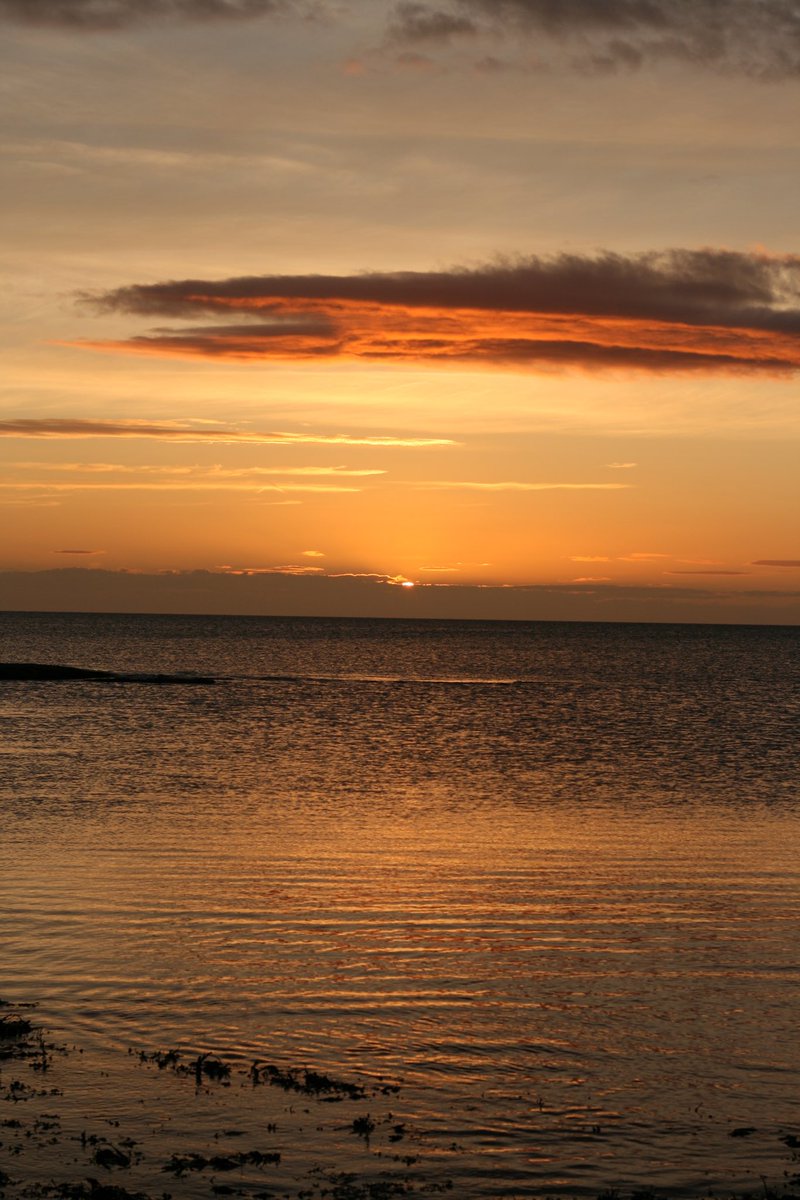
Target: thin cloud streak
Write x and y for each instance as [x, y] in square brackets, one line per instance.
[172, 485]
[73, 427]
[643, 556]
[285, 569]
[195, 472]
[660, 311]
[514, 486]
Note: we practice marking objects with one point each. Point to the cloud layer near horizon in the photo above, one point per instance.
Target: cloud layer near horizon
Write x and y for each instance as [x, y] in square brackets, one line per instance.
[759, 38]
[291, 589]
[674, 310]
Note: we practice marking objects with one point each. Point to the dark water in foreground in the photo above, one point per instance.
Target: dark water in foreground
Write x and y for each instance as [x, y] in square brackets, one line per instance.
[547, 876]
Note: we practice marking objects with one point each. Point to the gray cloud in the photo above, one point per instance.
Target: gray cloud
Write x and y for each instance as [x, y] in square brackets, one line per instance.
[99, 15]
[421, 23]
[724, 287]
[760, 38]
[673, 310]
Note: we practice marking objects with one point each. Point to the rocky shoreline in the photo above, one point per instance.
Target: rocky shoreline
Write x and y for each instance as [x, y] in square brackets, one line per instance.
[158, 1125]
[77, 1128]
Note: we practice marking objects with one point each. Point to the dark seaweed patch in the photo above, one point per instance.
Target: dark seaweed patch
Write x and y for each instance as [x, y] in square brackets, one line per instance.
[179, 1164]
[363, 1126]
[308, 1083]
[202, 1067]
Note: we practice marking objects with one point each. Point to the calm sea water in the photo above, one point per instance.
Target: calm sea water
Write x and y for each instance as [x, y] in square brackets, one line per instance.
[544, 876]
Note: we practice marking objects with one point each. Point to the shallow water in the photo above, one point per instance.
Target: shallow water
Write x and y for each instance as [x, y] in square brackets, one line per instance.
[546, 876]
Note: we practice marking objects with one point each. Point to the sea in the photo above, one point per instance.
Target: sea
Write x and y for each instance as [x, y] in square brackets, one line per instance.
[526, 895]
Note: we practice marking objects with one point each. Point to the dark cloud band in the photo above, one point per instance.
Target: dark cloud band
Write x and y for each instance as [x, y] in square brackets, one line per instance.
[755, 37]
[710, 310]
[699, 287]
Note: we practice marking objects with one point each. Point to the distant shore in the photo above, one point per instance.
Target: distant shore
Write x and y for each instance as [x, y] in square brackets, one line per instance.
[58, 672]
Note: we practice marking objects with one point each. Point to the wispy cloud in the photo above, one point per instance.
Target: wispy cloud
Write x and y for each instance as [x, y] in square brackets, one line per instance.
[643, 556]
[776, 562]
[283, 569]
[759, 38]
[212, 473]
[680, 310]
[654, 558]
[89, 553]
[170, 485]
[106, 477]
[302, 569]
[34, 500]
[104, 15]
[374, 576]
[515, 486]
[455, 568]
[75, 427]
[621, 466]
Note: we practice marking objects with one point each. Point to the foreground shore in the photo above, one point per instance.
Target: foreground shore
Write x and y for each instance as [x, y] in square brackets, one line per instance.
[157, 1125]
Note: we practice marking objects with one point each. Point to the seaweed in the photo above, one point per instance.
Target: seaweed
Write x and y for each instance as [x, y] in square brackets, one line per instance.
[179, 1164]
[363, 1126]
[308, 1083]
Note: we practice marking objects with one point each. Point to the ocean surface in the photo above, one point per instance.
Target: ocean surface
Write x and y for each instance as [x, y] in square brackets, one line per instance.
[542, 878]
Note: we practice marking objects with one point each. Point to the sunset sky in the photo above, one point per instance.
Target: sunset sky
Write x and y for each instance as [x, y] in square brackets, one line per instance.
[308, 301]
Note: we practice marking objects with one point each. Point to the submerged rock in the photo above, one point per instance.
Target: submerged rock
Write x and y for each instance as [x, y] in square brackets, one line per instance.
[109, 1156]
[13, 1026]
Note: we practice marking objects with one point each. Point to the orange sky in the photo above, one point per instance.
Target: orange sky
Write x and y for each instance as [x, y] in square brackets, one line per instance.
[451, 298]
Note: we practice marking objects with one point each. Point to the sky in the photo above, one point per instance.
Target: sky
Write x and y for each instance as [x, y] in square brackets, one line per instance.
[469, 308]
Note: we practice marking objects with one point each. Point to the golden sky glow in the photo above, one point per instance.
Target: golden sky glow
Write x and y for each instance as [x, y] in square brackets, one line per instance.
[446, 295]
